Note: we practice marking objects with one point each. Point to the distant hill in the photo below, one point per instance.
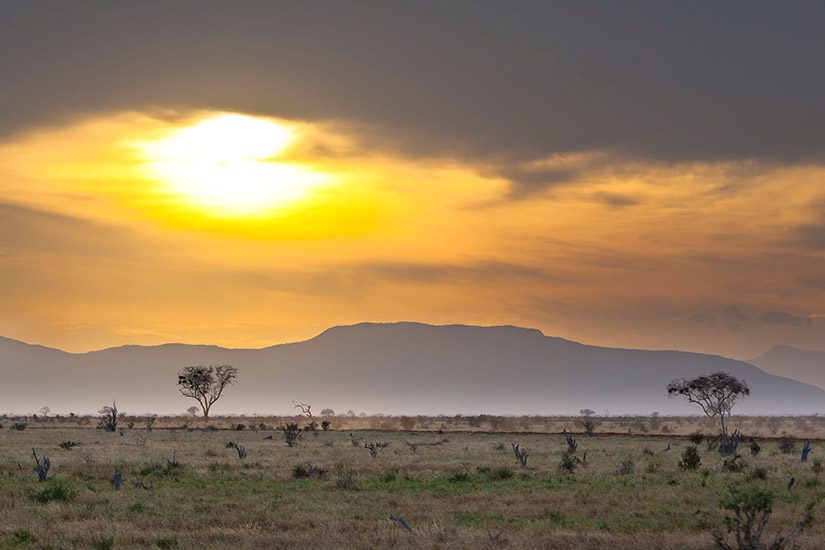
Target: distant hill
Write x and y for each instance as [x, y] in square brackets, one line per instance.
[399, 368]
[803, 365]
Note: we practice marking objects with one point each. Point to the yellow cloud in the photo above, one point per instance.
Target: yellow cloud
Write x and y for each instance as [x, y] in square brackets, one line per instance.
[132, 247]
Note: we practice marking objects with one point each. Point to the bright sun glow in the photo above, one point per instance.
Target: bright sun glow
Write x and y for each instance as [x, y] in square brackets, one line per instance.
[227, 164]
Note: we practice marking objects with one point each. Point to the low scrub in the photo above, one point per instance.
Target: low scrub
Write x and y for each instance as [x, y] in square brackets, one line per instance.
[54, 491]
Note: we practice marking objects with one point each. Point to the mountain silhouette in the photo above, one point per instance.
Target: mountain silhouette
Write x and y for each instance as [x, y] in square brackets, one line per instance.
[394, 368]
[804, 365]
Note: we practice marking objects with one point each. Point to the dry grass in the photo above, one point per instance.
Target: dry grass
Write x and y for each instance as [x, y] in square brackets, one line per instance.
[808, 427]
[467, 492]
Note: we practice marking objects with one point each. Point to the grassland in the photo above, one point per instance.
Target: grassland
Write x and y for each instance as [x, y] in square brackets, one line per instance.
[467, 491]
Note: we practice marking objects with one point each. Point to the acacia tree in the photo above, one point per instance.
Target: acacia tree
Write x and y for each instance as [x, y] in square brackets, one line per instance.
[715, 393]
[205, 384]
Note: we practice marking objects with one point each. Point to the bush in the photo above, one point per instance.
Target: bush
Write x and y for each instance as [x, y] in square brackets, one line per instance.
[300, 472]
[389, 477]
[21, 537]
[568, 463]
[54, 492]
[690, 459]
[459, 477]
[19, 426]
[697, 438]
[734, 464]
[103, 543]
[292, 434]
[755, 448]
[167, 543]
[751, 507]
[344, 477]
[627, 467]
[758, 473]
[816, 466]
[501, 473]
[786, 445]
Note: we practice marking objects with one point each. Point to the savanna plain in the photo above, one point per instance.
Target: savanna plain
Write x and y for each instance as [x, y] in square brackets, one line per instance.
[416, 482]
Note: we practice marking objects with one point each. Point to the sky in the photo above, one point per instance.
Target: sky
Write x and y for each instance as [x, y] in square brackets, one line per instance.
[634, 174]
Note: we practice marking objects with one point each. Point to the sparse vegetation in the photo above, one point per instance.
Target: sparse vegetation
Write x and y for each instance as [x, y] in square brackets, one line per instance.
[744, 529]
[291, 433]
[465, 487]
[690, 459]
[786, 445]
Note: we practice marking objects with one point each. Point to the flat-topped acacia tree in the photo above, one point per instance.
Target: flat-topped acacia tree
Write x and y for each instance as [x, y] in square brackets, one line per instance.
[205, 384]
[715, 393]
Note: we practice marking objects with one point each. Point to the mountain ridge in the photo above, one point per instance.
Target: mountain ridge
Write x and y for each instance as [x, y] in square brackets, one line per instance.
[399, 368]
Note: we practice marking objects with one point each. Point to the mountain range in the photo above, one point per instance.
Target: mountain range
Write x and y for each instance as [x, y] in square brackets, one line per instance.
[403, 368]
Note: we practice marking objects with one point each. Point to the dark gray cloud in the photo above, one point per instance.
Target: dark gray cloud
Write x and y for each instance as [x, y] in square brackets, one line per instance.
[783, 318]
[735, 314]
[616, 200]
[811, 235]
[509, 80]
[703, 318]
[431, 272]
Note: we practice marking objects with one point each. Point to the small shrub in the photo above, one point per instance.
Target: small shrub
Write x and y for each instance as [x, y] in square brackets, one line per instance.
[344, 477]
[627, 467]
[500, 473]
[300, 472]
[459, 477]
[292, 434]
[734, 464]
[568, 463]
[103, 543]
[19, 426]
[759, 473]
[754, 448]
[69, 445]
[388, 477]
[816, 466]
[21, 537]
[653, 466]
[167, 543]
[690, 459]
[786, 445]
[54, 492]
[697, 438]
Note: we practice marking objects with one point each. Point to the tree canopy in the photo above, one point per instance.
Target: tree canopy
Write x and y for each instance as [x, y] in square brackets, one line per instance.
[715, 393]
[205, 384]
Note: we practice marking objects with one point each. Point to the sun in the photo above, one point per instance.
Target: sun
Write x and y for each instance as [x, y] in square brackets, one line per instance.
[229, 164]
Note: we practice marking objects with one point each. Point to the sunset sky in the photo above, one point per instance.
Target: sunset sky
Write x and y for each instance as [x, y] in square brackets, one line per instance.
[634, 174]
